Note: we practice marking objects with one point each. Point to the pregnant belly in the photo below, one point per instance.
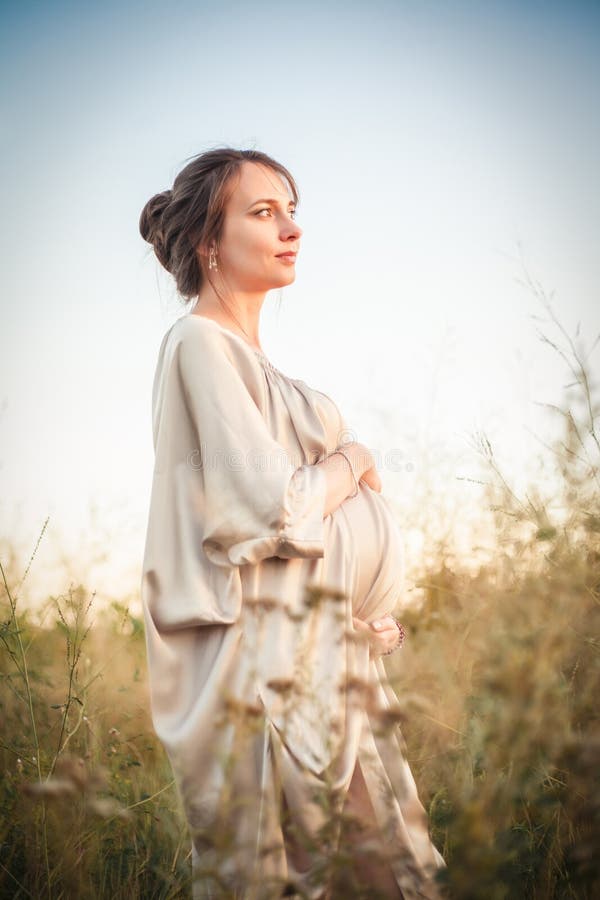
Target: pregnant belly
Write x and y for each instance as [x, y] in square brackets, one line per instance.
[378, 551]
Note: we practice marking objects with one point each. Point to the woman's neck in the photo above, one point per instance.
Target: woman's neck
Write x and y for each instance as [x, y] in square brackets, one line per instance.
[242, 322]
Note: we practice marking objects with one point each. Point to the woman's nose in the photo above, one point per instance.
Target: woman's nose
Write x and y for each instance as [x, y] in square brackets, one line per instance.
[291, 230]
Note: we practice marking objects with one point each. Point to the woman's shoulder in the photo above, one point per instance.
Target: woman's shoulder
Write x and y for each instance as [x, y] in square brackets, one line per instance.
[201, 327]
[212, 339]
[202, 351]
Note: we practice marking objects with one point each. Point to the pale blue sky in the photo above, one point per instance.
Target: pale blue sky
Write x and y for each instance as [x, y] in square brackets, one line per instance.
[432, 143]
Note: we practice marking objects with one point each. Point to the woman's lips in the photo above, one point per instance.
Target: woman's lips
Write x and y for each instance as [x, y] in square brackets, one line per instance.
[287, 257]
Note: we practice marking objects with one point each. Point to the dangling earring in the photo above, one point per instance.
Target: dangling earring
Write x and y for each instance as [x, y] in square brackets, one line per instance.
[212, 259]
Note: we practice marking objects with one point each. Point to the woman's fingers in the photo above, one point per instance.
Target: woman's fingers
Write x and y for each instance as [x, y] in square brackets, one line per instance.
[387, 630]
[371, 477]
[384, 624]
[382, 633]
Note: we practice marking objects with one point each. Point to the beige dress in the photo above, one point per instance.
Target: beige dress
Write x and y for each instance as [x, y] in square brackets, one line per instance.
[263, 695]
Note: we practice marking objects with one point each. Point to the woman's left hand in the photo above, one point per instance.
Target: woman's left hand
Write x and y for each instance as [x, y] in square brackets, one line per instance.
[382, 633]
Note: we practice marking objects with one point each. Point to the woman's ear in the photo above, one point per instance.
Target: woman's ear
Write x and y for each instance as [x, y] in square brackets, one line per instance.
[202, 251]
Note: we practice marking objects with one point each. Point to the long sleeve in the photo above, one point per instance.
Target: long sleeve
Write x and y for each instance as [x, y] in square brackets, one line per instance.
[254, 500]
[225, 492]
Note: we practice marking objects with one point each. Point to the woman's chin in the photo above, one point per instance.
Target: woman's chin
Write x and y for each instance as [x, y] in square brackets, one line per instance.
[286, 278]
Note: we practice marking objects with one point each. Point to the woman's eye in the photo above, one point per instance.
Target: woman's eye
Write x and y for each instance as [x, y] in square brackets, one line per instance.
[268, 209]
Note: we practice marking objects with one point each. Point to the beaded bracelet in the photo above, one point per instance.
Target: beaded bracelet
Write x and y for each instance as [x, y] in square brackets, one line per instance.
[401, 637]
[346, 457]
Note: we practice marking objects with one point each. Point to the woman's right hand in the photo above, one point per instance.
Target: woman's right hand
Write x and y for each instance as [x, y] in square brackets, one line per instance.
[371, 477]
[340, 484]
[364, 465]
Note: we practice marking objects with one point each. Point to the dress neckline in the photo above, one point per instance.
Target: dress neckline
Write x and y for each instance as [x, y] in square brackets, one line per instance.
[218, 325]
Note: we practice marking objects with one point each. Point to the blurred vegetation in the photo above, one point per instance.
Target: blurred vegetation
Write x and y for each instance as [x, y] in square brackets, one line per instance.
[499, 683]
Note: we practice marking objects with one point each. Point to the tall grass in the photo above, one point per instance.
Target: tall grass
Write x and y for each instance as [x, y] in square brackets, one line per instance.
[498, 683]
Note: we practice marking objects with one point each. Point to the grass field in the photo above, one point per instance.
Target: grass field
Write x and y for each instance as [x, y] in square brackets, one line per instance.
[499, 683]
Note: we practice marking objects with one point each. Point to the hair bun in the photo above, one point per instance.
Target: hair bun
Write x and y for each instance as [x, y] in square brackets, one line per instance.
[151, 225]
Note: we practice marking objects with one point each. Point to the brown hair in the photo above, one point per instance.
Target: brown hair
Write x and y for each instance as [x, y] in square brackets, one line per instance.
[192, 214]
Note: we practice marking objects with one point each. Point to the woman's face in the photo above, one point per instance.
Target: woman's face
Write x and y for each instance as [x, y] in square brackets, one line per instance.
[258, 228]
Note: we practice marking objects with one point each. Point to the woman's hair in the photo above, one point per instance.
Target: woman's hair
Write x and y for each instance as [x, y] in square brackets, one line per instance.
[177, 221]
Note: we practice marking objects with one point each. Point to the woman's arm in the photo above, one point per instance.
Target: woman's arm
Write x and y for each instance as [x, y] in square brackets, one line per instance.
[340, 483]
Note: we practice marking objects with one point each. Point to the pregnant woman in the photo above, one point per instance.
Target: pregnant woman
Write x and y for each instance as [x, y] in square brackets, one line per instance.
[271, 568]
